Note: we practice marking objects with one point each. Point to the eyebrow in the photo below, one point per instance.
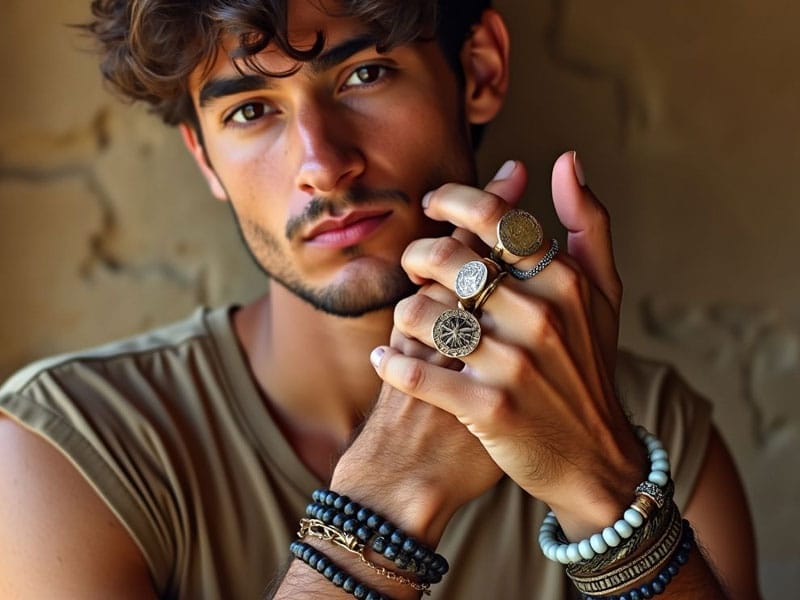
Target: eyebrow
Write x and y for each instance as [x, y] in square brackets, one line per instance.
[219, 87]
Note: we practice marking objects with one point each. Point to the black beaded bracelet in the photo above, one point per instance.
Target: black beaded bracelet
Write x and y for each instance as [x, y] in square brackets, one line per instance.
[663, 578]
[330, 571]
[379, 533]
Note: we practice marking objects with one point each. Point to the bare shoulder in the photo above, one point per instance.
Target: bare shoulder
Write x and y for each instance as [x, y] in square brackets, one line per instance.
[719, 513]
[57, 536]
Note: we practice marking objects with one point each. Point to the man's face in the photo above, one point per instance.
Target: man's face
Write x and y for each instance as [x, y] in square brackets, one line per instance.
[325, 168]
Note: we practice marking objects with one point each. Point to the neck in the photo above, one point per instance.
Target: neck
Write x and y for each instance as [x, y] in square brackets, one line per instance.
[313, 367]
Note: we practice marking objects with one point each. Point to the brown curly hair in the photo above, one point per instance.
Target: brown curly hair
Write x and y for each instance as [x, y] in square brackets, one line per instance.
[150, 47]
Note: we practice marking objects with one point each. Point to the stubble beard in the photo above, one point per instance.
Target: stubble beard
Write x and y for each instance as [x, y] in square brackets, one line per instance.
[356, 296]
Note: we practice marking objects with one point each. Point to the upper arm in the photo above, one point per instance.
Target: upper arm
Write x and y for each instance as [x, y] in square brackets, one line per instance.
[57, 536]
[720, 516]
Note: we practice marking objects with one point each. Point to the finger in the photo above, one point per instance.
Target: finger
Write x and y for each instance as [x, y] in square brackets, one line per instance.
[508, 183]
[475, 211]
[437, 259]
[588, 227]
[437, 386]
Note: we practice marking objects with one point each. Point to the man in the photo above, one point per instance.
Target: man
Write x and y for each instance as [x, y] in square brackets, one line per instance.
[178, 463]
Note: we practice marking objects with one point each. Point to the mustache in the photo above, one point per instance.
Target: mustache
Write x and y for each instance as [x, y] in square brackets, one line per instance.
[356, 196]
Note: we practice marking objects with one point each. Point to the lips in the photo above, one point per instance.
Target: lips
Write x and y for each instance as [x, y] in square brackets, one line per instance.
[347, 230]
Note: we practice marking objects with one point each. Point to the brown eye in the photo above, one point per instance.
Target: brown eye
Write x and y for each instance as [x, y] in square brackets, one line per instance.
[365, 75]
[249, 112]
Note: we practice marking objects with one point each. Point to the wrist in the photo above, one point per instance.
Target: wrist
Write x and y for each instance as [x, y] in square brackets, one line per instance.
[595, 499]
[418, 508]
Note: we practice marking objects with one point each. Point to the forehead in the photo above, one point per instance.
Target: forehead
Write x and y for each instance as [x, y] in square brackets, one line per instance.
[306, 20]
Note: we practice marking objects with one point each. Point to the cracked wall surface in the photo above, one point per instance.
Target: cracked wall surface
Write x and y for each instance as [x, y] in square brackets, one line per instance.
[684, 114]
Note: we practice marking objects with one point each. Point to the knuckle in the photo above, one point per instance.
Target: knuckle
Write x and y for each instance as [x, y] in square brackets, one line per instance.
[489, 208]
[410, 312]
[573, 282]
[543, 322]
[517, 363]
[412, 377]
[497, 405]
[442, 250]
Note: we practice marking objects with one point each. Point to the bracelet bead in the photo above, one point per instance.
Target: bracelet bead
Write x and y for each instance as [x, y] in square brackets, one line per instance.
[573, 554]
[658, 477]
[598, 544]
[611, 537]
[633, 517]
[585, 549]
[623, 528]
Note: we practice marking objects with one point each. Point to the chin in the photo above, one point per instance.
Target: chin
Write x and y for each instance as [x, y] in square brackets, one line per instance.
[355, 296]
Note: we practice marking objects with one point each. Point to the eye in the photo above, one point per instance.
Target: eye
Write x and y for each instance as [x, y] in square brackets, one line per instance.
[248, 113]
[366, 75]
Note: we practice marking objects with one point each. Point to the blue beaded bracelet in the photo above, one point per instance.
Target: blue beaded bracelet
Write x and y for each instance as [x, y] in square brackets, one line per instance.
[403, 551]
[330, 571]
[379, 533]
[660, 582]
[633, 517]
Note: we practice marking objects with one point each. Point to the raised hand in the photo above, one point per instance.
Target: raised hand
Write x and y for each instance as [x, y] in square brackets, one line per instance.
[538, 390]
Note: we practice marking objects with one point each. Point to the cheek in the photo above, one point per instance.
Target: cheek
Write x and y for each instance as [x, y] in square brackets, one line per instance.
[425, 132]
[255, 178]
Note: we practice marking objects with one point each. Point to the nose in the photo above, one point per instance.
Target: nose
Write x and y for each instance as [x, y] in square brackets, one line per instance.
[330, 159]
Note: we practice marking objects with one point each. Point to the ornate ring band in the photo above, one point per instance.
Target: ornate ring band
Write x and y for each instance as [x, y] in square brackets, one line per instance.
[473, 277]
[538, 267]
[475, 306]
[519, 234]
[456, 333]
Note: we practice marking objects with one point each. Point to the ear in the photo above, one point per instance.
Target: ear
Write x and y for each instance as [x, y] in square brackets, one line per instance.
[484, 58]
[197, 151]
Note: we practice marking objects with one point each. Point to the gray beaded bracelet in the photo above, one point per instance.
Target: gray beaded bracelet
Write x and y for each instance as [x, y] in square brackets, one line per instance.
[650, 494]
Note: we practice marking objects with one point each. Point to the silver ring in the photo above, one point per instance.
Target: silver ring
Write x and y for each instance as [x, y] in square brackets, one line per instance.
[519, 234]
[473, 277]
[456, 333]
[538, 267]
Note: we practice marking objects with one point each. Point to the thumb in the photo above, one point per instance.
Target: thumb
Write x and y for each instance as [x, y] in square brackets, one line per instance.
[588, 227]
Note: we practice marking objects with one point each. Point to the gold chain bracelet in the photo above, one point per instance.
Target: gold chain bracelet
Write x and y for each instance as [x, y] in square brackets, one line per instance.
[322, 531]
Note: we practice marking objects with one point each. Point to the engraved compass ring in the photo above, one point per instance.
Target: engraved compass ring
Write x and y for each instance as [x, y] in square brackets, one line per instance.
[456, 333]
[519, 234]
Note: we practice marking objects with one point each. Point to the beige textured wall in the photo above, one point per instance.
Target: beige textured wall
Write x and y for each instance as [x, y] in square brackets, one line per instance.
[685, 117]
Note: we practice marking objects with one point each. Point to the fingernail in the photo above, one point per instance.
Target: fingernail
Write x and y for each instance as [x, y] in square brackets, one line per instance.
[426, 200]
[505, 171]
[579, 174]
[376, 355]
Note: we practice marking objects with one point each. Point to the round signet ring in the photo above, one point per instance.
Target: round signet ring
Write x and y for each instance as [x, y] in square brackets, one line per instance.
[519, 234]
[473, 277]
[456, 333]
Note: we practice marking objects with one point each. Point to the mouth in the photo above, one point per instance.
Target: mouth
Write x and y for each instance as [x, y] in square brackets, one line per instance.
[347, 230]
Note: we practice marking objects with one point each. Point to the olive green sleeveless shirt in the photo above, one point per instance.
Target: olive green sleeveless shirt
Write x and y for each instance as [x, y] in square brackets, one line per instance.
[171, 431]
